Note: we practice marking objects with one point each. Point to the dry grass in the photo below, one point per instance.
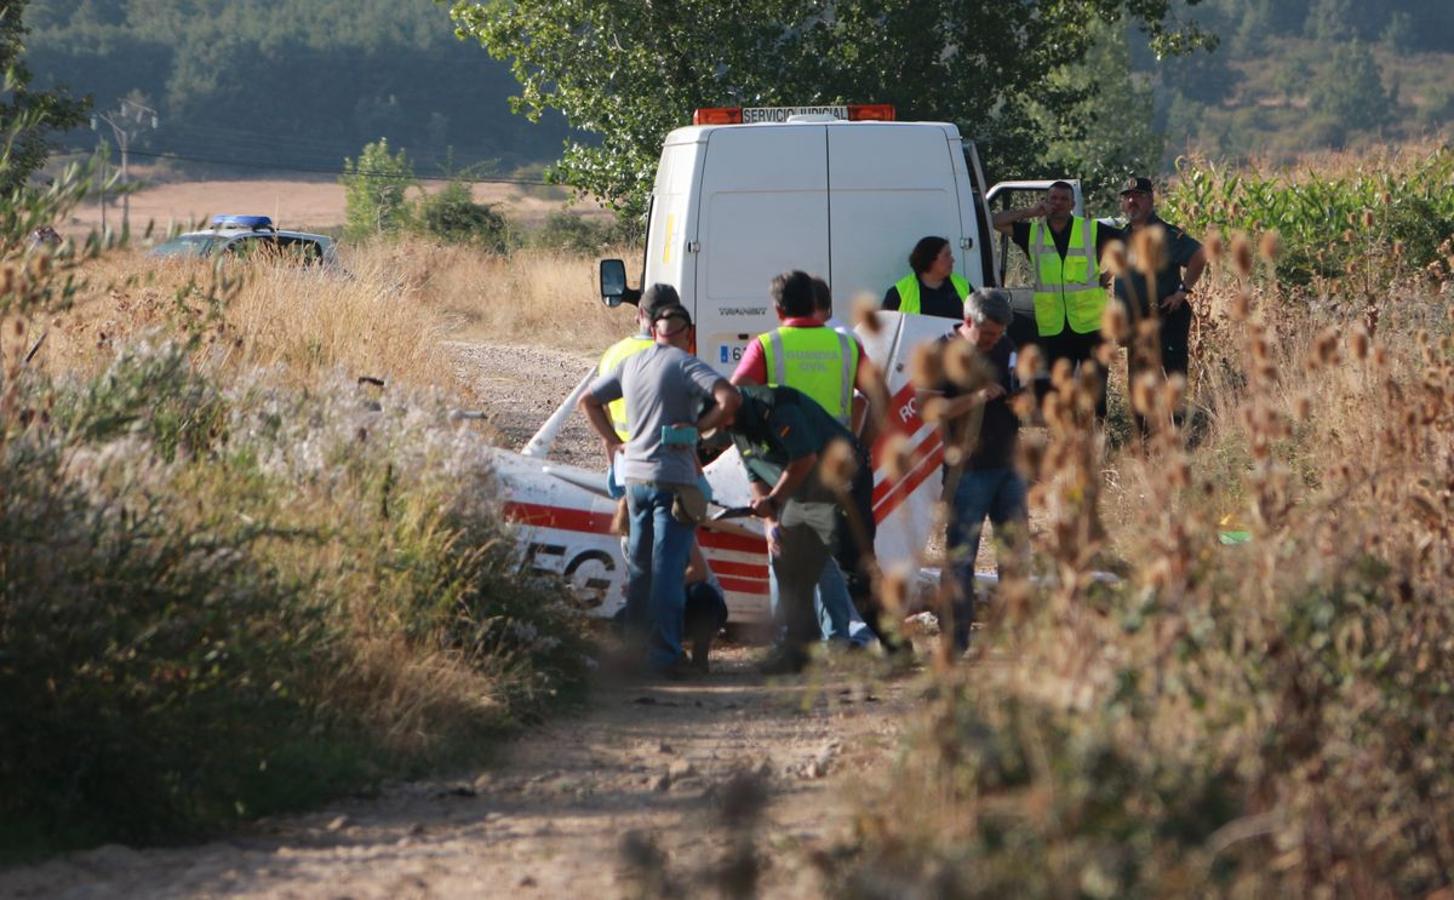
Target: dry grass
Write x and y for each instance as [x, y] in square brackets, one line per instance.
[387, 316]
[529, 297]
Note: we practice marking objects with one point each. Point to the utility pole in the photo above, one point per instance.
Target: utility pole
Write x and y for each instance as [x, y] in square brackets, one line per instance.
[127, 122]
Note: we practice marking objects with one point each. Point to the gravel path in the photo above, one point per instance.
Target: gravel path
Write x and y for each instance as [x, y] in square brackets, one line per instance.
[521, 386]
[642, 774]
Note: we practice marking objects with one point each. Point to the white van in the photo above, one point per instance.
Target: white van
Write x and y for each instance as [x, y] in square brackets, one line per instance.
[734, 205]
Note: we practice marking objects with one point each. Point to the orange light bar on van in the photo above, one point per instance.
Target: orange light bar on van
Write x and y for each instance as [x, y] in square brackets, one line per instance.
[718, 115]
[870, 112]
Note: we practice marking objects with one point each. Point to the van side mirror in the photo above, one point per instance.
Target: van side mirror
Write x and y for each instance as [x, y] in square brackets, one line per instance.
[613, 282]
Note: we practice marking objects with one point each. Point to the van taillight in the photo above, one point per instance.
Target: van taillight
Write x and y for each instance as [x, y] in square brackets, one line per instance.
[719, 115]
[870, 112]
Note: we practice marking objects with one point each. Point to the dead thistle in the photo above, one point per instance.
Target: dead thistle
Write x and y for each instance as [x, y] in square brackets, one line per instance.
[1358, 343]
[839, 465]
[1114, 259]
[1148, 246]
[865, 314]
[1241, 308]
[1241, 255]
[896, 457]
[1030, 363]
[1216, 247]
[1115, 325]
[1270, 247]
[966, 366]
[926, 365]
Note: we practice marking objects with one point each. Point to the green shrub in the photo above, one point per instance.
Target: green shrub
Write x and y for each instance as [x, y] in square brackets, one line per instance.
[374, 190]
[452, 216]
[574, 233]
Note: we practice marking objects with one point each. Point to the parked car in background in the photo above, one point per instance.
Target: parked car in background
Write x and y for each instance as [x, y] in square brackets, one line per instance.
[250, 236]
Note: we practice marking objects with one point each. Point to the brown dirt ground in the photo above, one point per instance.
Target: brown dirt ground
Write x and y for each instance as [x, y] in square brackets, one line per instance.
[642, 765]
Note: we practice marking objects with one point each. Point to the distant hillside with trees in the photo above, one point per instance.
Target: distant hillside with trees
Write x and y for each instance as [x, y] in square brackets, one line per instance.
[1292, 76]
[281, 84]
[302, 84]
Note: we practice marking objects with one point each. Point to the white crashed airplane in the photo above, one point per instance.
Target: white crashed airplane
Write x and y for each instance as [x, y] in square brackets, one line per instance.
[562, 513]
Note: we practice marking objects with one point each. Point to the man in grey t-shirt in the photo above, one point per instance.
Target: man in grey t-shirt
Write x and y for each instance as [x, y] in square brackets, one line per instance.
[665, 388]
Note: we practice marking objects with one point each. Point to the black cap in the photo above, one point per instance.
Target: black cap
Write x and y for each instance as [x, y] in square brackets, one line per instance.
[1135, 184]
[671, 311]
[656, 298]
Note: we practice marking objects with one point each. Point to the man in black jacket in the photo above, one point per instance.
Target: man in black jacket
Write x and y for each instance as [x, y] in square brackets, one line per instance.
[988, 484]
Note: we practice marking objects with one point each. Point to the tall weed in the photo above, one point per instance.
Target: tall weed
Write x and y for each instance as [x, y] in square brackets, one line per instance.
[1264, 718]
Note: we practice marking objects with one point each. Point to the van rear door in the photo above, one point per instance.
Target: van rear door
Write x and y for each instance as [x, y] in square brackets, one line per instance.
[763, 211]
[893, 184]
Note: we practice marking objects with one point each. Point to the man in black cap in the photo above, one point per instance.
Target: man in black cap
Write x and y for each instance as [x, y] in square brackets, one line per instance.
[665, 388]
[1161, 286]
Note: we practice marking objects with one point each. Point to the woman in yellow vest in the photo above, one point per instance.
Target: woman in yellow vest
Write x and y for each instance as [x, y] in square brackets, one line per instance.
[932, 287]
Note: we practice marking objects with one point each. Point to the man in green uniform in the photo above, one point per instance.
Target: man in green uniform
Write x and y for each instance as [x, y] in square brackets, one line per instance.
[782, 435]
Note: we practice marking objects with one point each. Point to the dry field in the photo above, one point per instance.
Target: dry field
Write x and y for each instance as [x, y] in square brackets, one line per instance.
[315, 204]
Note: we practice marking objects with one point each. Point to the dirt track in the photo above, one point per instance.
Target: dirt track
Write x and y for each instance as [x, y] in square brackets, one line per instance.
[523, 386]
[641, 771]
[551, 818]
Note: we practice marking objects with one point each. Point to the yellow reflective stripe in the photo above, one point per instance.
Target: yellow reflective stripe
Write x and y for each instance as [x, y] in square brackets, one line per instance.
[845, 397]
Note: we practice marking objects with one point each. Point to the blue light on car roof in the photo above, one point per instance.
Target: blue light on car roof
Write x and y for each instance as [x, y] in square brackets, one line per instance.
[253, 222]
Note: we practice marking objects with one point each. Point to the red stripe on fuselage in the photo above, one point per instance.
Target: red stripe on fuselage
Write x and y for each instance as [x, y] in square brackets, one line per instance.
[538, 515]
[910, 483]
[746, 570]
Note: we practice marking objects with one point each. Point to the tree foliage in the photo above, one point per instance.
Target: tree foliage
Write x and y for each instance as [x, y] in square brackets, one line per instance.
[1112, 131]
[629, 72]
[1352, 94]
[44, 112]
[374, 189]
[453, 216]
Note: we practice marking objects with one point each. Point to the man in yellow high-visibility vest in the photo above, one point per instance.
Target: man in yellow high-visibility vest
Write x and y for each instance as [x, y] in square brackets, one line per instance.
[932, 287]
[826, 365]
[656, 297]
[1070, 295]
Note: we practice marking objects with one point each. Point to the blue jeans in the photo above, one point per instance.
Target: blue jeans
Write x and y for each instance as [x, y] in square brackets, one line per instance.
[999, 494]
[837, 616]
[656, 567]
